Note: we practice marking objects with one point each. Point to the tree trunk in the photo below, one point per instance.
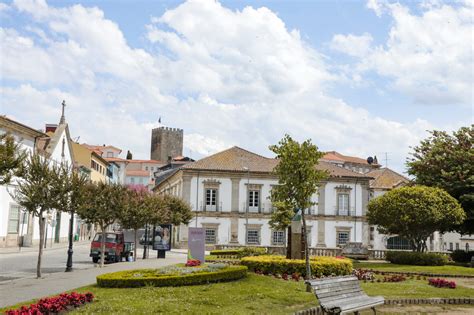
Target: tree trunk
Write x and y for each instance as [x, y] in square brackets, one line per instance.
[102, 247]
[288, 243]
[42, 221]
[306, 248]
[135, 247]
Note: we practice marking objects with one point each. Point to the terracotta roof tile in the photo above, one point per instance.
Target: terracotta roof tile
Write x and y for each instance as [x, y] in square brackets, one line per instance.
[236, 159]
[138, 173]
[336, 156]
[385, 178]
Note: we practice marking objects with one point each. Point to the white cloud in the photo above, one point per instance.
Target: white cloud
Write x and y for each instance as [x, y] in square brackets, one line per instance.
[428, 57]
[226, 77]
[352, 45]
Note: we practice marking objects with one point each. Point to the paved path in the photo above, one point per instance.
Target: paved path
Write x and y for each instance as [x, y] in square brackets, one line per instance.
[22, 290]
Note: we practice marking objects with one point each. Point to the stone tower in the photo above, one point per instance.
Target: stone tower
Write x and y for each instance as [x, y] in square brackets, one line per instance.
[166, 143]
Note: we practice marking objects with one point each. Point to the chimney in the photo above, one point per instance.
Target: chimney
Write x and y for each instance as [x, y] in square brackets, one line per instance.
[50, 127]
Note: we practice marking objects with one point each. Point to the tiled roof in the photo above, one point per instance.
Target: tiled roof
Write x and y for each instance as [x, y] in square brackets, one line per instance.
[145, 161]
[385, 178]
[138, 173]
[237, 159]
[336, 156]
[101, 147]
[7, 122]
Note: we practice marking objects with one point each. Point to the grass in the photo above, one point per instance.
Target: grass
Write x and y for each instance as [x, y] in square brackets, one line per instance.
[448, 269]
[252, 295]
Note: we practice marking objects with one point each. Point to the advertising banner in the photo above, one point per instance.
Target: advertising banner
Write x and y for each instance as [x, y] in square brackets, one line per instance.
[162, 239]
[196, 244]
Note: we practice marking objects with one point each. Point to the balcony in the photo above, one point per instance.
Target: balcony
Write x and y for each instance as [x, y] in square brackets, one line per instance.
[211, 208]
[345, 212]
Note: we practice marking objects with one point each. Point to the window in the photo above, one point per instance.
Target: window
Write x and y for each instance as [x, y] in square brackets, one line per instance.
[451, 246]
[254, 200]
[342, 237]
[372, 230]
[132, 180]
[13, 219]
[253, 237]
[467, 247]
[343, 204]
[211, 236]
[211, 199]
[110, 154]
[457, 246]
[146, 168]
[278, 238]
[398, 242]
[152, 168]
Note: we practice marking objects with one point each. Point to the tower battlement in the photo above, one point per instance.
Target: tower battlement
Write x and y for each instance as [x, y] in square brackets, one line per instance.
[166, 143]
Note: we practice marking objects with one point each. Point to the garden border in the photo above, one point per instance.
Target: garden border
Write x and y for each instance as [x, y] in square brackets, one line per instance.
[412, 273]
[230, 273]
[429, 301]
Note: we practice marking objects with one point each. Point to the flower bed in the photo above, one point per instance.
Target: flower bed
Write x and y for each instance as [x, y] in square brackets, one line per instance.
[442, 283]
[239, 252]
[54, 305]
[394, 278]
[363, 274]
[320, 266]
[177, 275]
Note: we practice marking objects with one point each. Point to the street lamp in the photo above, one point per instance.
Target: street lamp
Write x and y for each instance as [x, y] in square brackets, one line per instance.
[69, 250]
[247, 207]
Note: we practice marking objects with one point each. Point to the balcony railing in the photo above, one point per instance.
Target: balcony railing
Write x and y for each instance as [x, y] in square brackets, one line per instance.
[211, 208]
[345, 212]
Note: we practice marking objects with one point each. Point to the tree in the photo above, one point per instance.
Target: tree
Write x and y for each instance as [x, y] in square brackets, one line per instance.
[11, 158]
[103, 205]
[447, 161]
[178, 211]
[136, 212]
[36, 192]
[298, 180]
[71, 186]
[415, 213]
[129, 155]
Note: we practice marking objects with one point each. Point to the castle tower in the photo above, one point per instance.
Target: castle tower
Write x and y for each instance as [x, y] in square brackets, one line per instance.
[166, 143]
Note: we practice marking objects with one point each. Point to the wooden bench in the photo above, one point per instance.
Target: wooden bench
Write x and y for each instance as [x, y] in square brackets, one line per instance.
[342, 295]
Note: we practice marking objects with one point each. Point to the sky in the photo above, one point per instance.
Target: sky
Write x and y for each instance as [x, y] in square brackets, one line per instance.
[362, 78]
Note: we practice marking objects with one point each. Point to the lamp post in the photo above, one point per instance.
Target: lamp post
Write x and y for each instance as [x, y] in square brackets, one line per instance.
[247, 207]
[69, 250]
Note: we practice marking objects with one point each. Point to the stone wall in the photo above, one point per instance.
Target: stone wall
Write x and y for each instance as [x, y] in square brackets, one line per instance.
[166, 143]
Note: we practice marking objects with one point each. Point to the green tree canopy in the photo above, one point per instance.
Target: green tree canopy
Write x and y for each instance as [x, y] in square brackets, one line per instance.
[298, 180]
[37, 193]
[447, 161]
[11, 158]
[415, 213]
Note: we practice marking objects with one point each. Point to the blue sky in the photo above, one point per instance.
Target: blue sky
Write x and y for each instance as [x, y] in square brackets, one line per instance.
[359, 77]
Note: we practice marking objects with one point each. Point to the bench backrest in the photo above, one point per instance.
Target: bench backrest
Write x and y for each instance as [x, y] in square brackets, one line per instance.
[331, 289]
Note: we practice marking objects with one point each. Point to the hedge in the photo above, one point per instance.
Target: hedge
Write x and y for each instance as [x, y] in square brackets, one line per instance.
[123, 279]
[320, 265]
[240, 252]
[462, 256]
[416, 258]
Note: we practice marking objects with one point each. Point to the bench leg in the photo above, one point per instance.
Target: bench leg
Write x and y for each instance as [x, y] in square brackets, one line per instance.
[373, 309]
[356, 313]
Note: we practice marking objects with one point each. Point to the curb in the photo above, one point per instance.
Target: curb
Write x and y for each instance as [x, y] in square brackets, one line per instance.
[423, 274]
[457, 301]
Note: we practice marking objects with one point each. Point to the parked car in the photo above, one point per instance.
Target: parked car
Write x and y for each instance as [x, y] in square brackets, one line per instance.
[115, 247]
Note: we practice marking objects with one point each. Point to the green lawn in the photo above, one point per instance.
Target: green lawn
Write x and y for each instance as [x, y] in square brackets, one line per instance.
[253, 295]
[448, 269]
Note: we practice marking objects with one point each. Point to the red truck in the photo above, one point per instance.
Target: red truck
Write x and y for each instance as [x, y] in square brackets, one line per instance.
[115, 247]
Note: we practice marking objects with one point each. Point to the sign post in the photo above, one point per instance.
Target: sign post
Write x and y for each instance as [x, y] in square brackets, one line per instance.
[196, 244]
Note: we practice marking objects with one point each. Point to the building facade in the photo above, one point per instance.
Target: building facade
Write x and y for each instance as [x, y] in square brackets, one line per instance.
[229, 193]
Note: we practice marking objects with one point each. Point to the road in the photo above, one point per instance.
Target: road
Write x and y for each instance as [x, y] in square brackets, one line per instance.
[23, 264]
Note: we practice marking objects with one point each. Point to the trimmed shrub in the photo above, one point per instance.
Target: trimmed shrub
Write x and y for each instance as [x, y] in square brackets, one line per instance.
[147, 277]
[320, 266]
[416, 258]
[240, 252]
[462, 256]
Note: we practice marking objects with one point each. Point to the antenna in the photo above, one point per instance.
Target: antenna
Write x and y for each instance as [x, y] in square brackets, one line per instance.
[386, 159]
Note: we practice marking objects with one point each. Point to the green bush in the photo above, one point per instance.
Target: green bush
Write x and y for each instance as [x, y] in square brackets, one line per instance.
[129, 278]
[462, 256]
[239, 252]
[416, 258]
[320, 266]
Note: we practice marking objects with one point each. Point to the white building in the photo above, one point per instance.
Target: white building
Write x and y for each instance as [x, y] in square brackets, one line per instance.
[15, 224]
[229, 193]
